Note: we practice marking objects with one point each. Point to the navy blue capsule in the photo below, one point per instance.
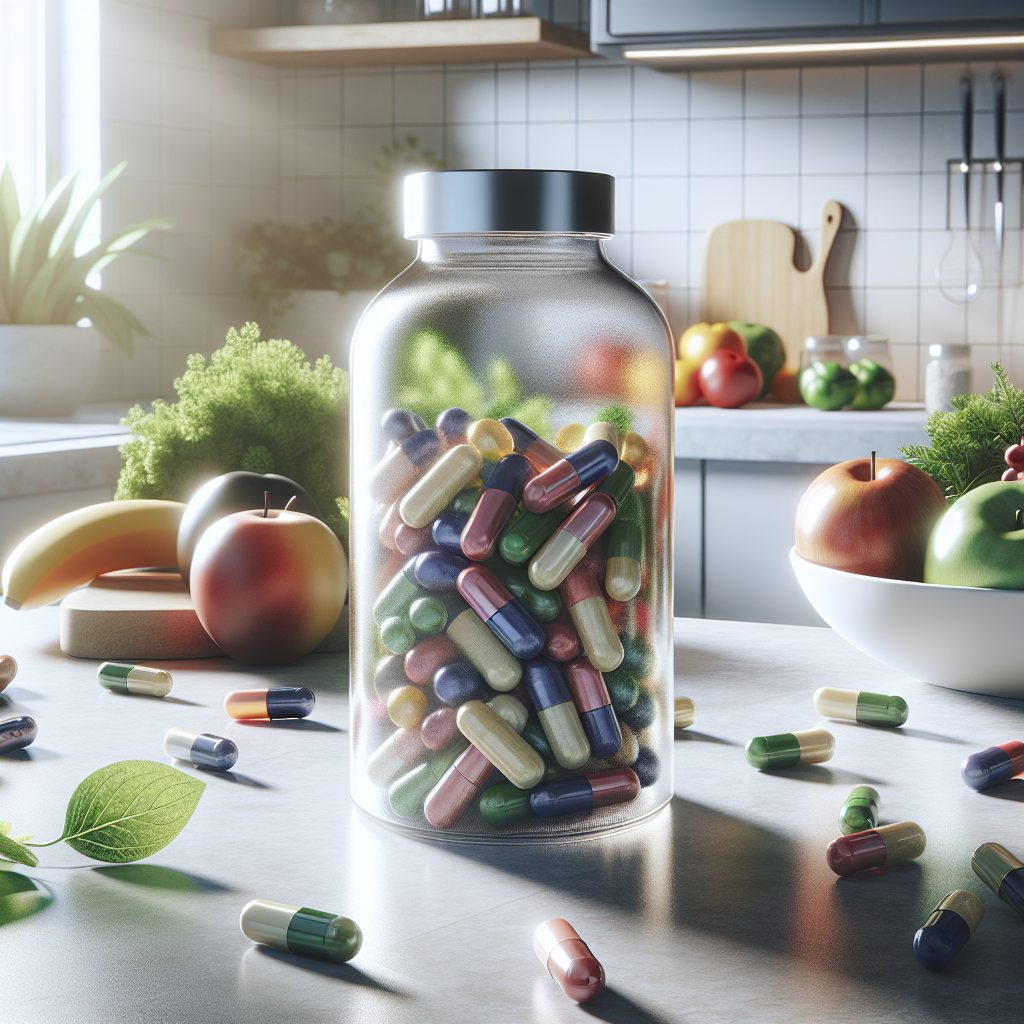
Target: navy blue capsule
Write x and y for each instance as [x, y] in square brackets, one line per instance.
[453, 425]
[455, 684]
[522, 435]
[201, 748]
[422, 448]
[944, 934]
[290, 702]
[447, 531]
[486, 470]
[544, 684]
[594, 461]
[641, 714]
[603, 732]
[398, 424]
[16, 733]
[438, 571]
[513, 625]
[994, 765]
[563, 797]
[647, 767]
[510, 474]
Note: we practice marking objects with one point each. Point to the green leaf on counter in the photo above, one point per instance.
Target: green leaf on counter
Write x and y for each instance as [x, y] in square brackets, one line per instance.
[130, 810]
[13, 850]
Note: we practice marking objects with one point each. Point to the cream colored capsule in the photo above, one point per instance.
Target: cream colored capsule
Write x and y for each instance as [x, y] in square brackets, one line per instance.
[561, 553]
[510, 709]
[134, 679]
[600, 641]
[790, 749]
[622, 578]
[485, 651]
[602, 432]
[685, 714]
[629, 750]
[398, 753]
[570, 437]
[500, 744]
[406, 706]
[564, 731]
[491, 439]
[438, 486]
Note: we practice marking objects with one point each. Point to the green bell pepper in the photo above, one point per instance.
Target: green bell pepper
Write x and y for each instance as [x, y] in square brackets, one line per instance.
[876, 384]
[828, 386]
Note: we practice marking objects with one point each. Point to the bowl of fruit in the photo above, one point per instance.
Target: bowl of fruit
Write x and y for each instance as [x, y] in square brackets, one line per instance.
[930, 590]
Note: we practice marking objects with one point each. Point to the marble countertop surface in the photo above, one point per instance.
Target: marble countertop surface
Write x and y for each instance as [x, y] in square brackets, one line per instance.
[720, 909]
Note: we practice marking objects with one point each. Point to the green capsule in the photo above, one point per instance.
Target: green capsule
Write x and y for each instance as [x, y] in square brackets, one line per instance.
[789, 749]
[505, 804]
[534, 735]
[860, 812]
[623, 575]
[428, 615]
[465, 501]
[397, 635]
[625, 540]
[543, 605]
[619, 482]
[527, 534]
[407, 794]
[861, 706]
[623, 689]
[397, 596]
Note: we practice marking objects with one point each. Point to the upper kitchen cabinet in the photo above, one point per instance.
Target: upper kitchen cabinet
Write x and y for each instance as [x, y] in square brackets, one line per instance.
[676, 34]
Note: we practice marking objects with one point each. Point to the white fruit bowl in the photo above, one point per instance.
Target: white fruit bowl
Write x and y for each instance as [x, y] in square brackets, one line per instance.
[965, 638]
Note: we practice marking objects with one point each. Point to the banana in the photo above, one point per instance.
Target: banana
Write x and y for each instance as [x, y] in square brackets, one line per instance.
[75, 548]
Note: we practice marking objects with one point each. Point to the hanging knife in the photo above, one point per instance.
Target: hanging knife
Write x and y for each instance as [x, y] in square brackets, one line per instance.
[966, 143]
[999, 88]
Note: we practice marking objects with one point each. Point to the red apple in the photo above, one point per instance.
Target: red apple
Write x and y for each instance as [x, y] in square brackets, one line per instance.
[268, 586]
[876, 527]
[729, 379]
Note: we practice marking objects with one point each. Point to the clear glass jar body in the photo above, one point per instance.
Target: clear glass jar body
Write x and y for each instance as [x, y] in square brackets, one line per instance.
[538, 327]
[947, 373]
[869, 346]
[825, 348]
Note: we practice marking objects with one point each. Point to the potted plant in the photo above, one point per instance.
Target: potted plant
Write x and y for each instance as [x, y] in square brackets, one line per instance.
[47, 361]
[313, 283]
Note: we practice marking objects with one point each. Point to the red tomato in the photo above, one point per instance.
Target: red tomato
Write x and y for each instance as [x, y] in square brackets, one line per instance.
[729, 379]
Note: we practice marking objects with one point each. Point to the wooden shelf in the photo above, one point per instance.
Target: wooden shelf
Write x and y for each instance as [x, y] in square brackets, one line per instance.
[471, 40]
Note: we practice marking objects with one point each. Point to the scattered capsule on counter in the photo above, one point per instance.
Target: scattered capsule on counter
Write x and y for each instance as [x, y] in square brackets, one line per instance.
[557, 712]
[483, 649]
[602, 431]
[502, 613]
[278, 702]
[398, 424]
[16, 733]
[860, 706]
[436, 488]
[570, 438]
[541, 454]
[134, 679]
[590, 695]
[407, 794]
[8, 670]
[592, 463]
[402, 465]
[789, 749]
[492, 512]
[528, 534]
[623, 575]
[581, 794]
[684, 714]
[572, 540]
[399, 752]
[860, 812]
[884, 846]
[453, 426]
[500, 744]
[491, 438]
[1002, 872]
[948, 929]
[407, 706]
[561, 642]
[994, 765]
[301, 931]
[567, 958]
[582, 596]
[201, 748]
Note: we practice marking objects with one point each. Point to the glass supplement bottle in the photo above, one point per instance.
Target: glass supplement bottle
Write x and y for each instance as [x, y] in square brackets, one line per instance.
[510, 327]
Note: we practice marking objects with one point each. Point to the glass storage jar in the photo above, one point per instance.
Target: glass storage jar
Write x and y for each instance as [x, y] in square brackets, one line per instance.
[947, 373]
[824, 348]
[511, 520]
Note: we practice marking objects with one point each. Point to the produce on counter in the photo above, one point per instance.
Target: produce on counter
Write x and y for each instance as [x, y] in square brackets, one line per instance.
[729, 379]
[871, 523]
[979, 542]
[765, 348]
[75, 548]
[786, 386]
[695, 345]
[1014, 459]
[828, 385]
[876, 385]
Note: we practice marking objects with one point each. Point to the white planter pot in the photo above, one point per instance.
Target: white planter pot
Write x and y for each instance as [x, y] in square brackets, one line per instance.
[47, 369]
[323, 322]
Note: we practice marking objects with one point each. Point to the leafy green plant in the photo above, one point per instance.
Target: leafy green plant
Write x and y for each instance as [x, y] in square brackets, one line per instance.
[968, 444]
[364, 253]
[124, 812]
[256, 405]
[42, 281]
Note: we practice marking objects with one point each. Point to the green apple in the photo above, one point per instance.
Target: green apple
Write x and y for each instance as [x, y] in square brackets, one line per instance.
[765, 347]
[979, 542]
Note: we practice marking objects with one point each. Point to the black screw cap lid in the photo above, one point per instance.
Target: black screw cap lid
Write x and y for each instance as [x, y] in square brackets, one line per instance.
[512, 200]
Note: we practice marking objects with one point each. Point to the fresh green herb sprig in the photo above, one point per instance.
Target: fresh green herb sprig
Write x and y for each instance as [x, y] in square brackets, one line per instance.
[968, 444]
[124, 812]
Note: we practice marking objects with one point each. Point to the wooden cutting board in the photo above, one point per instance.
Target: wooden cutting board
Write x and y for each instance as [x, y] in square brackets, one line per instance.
[146, 615]
[749, 275]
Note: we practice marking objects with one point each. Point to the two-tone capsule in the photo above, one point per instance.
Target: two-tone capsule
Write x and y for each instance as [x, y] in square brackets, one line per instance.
[453, 426]
[501, 612]
[500, 744]
[860, 811]
[572, 540]
[623, 573]
[16, 733]
[201, 748]
[406, 794]
[684, 713]
[527, 535]
[543, 605]
[134, 679]
[301, 931]
[273, 704]
[948, 929]
[398, 753]
[790, 749]
[557, 712]
[994, 765]
[541, 453]
[482, 648]
[885, 846]
[398, 424]
[402, 464]
[436, 488]
[492, 512]
[581, 594]
[861, 706]
[571, 474]
[581, 794]
[1002, 872]
[590, 695]
[567, 958]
